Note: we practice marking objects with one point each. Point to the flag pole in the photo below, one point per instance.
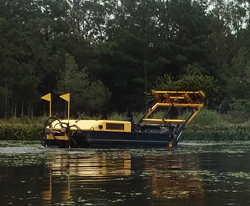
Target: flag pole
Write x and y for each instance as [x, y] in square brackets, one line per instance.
[68, 109]
[49, 108]
[66, 97]
[47, 97]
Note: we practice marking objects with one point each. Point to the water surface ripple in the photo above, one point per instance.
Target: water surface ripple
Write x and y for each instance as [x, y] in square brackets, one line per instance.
[193, 174]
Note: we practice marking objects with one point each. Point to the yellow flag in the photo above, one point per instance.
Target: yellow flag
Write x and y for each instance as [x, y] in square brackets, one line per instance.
[65, 97]
[47, 97]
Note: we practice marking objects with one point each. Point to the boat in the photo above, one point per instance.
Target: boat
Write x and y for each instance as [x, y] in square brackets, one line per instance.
[148, 131]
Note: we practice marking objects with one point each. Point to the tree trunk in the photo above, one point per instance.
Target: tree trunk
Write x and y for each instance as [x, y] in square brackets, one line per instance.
[6, 102]
[15, 108]
[22, 108]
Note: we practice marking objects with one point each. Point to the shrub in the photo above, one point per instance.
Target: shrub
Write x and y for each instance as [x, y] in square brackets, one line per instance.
[20, 131]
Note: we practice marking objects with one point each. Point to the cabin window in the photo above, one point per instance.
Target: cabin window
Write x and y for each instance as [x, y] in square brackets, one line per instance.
[113, 126]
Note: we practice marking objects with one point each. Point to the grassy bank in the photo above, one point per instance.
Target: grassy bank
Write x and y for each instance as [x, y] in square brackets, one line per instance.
[216, 133]
[207, 126]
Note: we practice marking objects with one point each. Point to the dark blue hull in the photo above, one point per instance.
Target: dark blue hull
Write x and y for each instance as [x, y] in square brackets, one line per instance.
[99, 139]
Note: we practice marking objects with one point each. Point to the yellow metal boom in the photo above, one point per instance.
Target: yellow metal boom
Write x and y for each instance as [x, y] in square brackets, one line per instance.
[188, 99]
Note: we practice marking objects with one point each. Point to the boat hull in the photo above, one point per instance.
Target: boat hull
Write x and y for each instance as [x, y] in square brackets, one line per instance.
[87, 139]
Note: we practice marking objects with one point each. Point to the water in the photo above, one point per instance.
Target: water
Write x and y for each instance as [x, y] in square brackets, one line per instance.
[192, 174]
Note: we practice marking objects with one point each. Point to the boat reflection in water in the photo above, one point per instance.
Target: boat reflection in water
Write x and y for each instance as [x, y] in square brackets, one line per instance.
[174, 176]
[119, 176]
[74, 169]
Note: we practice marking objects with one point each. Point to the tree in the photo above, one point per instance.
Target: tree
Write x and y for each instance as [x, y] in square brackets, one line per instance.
[86, 95]
[33, 30]
[8, 69]
[237, 80]
[189, 36]
[146, 39]
[227, 26]
[132, 36]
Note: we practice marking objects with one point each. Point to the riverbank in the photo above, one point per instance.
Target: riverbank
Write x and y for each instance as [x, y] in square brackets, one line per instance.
[33, 131]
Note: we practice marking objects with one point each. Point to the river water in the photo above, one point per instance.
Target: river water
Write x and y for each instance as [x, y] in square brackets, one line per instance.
[192, 174]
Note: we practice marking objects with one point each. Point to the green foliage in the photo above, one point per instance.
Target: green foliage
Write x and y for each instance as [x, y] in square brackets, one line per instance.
[20, 131]
[153, 38]
[207, 117]
[119, 49]
[237, 82]
[217, 133]
[237, 76]
[86, 95]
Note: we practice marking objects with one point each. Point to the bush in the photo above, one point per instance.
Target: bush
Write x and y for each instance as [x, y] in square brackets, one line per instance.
[20, 131]
[208, 117]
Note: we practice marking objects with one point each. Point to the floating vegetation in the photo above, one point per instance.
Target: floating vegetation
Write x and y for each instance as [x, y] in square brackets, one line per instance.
[17, 160]
[242, 175]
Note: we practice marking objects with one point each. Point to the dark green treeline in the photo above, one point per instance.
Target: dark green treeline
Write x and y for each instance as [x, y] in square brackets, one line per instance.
[109, 54]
